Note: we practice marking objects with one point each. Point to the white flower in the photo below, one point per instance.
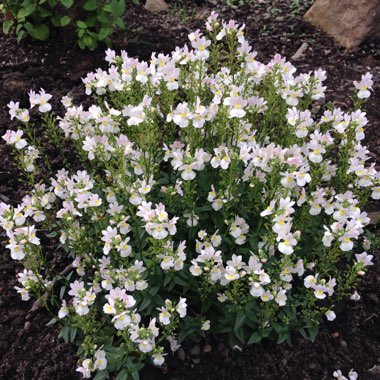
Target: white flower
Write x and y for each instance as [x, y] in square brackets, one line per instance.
[85, 368]
[364, 86]
[158, 359]
[338, 374]
[352, 375]
[124, 248]
[109, 308]
[100, 360]
[205, 325]
[310, 281]
[319, 292]
[182, 307]
[63, 311]
[145, 346]
[256, 290]
[187, 173]
[121, 321]
[364, 258]
[281, 297]
[164, 316]
[195, 270]
[375, 193]
[286, 246]
[24, 293]
[355, 296]
[330, 315]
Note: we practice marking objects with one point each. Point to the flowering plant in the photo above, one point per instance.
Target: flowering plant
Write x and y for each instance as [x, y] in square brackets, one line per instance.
[208, 192]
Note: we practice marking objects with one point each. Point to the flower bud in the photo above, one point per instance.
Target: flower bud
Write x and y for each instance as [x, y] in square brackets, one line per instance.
[297, 234]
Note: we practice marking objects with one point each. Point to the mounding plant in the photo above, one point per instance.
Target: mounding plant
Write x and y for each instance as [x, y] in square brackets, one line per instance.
[206, 193]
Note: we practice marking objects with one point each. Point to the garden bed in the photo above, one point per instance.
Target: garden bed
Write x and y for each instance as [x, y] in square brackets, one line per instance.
[30, 350]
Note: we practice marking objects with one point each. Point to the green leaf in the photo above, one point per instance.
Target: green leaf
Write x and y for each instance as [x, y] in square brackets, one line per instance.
[26, 11]
[168, 279]
[206, 304]
[240, 319]
[19, 27]
[90, 5]
[44, 13]
[81, 24]
[65, 20]
[303, 332]
[313, 332]
[81, 33]
[81, 43]
[101, 375]
[181, 282]
[266, 332]
[89, 42]
[20, 35]
[104, 18]
[73, 333]
[107, 8]
[122, 375]
[120, 24]
[67, 3]
[40, 32]
[51, 322]
[145, 303]
[282, 337]
[118, 7]
[62, 291]
[153, 291]
[255, 338]
[104, 33]
[64, 333]
[52, 3]
[7, 24]
[91, 20]
[28, 26]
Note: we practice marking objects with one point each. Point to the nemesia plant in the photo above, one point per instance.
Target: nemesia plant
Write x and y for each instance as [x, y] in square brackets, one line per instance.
[208, 193]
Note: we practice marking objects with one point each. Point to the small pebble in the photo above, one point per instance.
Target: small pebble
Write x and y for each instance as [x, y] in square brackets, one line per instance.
[195, 351]
[181, 354]
[207, 348]
[27, 326]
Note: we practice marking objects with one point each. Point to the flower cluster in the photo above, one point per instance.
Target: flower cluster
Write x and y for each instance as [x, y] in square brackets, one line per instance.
[352, 375]
[203, 174]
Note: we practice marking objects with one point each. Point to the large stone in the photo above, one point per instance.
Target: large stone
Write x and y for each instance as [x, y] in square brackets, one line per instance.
[350, 22]
[156, 5]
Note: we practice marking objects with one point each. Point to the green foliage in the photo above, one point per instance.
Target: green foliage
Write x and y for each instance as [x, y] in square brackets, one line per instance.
[94, 20]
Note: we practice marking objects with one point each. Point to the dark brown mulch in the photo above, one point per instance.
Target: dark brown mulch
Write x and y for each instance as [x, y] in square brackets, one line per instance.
[29, 350]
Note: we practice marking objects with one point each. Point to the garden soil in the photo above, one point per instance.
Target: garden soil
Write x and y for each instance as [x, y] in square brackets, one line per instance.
[29, 350]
